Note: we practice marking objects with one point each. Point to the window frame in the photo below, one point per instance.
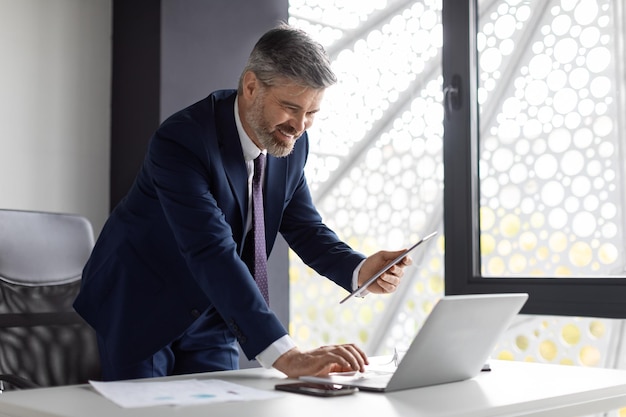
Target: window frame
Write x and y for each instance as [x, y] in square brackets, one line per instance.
[580, 296]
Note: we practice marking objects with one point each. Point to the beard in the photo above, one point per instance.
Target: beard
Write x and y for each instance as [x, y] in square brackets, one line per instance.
[276, 147]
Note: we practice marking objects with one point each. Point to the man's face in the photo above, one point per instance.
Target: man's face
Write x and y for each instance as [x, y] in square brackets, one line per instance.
[279, 115]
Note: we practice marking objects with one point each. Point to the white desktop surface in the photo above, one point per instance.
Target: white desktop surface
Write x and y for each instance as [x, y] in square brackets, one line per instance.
[510, 389]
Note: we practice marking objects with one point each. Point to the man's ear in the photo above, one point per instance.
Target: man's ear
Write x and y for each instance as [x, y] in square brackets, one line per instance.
[250, 84]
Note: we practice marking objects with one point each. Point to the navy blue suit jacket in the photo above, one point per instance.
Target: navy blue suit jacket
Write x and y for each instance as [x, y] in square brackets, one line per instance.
[173, 247]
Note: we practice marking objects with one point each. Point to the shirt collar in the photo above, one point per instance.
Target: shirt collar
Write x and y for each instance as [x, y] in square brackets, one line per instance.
[250, 150]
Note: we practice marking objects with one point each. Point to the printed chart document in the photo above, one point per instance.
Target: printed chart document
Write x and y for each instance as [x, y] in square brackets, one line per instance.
[133, 394]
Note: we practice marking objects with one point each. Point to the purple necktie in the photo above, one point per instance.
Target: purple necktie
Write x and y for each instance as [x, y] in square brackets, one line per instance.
[258, 224]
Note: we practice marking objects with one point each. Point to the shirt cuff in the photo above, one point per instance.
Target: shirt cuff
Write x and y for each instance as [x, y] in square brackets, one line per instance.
[355, 279]
[275, 350]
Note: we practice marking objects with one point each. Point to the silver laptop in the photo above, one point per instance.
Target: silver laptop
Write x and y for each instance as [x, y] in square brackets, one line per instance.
[453, 344]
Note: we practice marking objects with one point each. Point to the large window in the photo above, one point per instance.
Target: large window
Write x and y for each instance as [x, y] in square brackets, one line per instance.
[551, 139]
[535, 150]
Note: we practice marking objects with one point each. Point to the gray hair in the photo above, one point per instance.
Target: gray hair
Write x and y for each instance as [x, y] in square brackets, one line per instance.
[288, 52]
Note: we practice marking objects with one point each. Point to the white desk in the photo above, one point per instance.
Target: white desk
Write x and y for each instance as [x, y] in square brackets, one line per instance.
[510, 389]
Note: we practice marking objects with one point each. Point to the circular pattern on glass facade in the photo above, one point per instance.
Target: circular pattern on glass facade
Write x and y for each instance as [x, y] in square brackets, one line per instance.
[549, 168]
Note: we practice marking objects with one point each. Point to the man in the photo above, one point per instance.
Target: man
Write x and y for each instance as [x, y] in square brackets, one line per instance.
[169, 287]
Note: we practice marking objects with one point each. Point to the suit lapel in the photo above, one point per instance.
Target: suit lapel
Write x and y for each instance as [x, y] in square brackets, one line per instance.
[237, 174]
[232, 156]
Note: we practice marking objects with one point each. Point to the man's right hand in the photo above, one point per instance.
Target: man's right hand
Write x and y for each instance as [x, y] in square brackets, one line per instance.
[322, 361]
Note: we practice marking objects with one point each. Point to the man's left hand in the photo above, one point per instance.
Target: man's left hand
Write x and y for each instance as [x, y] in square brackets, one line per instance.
[388, 282]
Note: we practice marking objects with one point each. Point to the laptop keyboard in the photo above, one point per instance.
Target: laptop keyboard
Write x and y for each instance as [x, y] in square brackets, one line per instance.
[368, 375]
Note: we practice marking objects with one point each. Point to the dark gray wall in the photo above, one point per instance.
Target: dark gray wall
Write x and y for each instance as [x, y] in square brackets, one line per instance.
[205, 44]
[168, 54]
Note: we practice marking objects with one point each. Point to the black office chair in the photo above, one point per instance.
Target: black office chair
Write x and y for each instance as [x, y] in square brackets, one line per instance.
[43, 342]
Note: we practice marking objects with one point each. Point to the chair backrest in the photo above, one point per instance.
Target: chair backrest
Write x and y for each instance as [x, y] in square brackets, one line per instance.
[42, 339]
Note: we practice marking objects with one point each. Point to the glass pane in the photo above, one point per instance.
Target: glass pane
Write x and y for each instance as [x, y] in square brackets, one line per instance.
[375, 164]
[552, 138]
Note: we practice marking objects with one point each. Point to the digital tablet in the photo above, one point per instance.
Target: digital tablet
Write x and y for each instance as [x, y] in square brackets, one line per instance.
[386, 267]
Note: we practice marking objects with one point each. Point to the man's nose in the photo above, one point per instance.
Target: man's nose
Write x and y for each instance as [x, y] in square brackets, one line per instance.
[300, 122]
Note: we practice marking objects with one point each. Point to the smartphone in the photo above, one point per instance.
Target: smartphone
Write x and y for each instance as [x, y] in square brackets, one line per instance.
[316, 389]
